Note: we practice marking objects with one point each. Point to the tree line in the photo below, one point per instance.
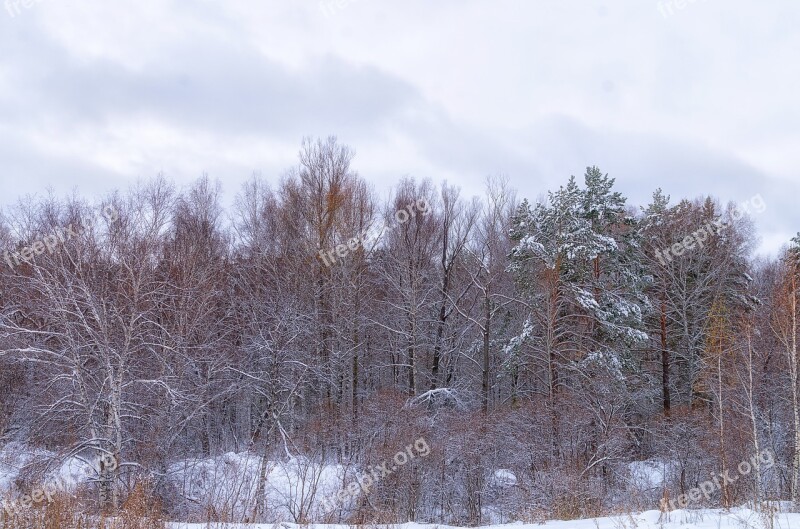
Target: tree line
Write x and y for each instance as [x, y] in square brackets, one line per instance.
[550, 340]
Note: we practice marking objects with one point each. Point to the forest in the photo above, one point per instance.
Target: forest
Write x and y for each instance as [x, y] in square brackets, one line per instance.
[530, 357]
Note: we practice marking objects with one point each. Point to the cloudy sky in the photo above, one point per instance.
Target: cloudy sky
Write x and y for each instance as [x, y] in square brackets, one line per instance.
[694, 97]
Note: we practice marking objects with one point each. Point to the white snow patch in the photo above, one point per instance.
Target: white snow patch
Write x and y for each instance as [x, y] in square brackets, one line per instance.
[68, 474]
[504, 478]
[648, 475]
[294, 488]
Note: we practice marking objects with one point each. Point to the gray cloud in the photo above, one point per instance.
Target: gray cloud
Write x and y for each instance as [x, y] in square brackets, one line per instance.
[94, 95]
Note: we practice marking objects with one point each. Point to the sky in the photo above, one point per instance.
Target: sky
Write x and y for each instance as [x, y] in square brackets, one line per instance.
[695, 97]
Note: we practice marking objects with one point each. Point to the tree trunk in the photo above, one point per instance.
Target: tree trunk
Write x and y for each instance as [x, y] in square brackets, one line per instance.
[753, 422]
[665, 362]
[485, 378]
[437, 348]
[412, 380]
[726, 500]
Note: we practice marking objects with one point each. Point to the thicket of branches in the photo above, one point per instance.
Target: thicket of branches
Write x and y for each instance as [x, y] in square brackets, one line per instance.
[547, 339]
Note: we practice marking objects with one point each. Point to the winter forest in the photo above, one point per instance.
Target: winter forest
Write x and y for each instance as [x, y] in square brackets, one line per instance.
[562, 356]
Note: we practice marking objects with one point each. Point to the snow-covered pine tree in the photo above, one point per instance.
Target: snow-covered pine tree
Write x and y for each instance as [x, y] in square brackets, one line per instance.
[582, 244]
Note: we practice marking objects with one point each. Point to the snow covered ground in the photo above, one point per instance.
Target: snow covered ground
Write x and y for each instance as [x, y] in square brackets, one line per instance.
[739, 518]
[229, 481]
[66, 473]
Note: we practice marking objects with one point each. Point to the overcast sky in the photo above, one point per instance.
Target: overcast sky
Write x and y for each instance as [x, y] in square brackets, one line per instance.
[695, 100]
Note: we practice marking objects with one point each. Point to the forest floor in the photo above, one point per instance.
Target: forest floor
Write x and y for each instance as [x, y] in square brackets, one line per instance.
[737, 518]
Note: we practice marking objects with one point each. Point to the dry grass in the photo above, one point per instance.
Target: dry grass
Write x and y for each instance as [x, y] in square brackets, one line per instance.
[140, 511]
